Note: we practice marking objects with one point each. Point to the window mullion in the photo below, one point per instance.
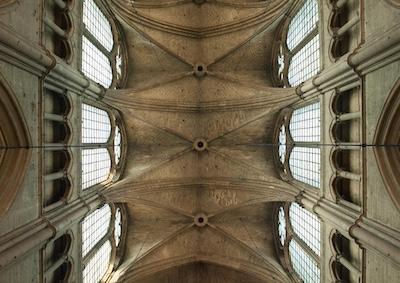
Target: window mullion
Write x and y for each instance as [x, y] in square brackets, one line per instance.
[304, 41]
[95, 145]
[315, 144]
[95, 248]
[96, 43]
[306, 248]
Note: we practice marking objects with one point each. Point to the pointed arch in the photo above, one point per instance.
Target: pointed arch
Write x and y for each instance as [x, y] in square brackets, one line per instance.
[263, 272]
[387, 139]
[15, 141]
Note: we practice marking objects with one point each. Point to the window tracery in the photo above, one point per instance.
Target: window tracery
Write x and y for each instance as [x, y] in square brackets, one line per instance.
[101, 145]
[282, 143]
[298, 139]
[282, 225]
[103, 53]
[118, 226]
[299, 249]
[298, 53]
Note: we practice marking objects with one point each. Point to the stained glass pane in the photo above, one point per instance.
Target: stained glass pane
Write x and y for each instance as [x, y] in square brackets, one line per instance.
[96, 166]
[117, 145]
[305, 124]
[304, 163]
[97, 266]
[303, 23]
[306, 225]
[95, 65]
[281, 226]
[305, 63]
[96, 126]
[118, 226]
[282, 144]
[303, 263]
[95, 227]
[97, 24]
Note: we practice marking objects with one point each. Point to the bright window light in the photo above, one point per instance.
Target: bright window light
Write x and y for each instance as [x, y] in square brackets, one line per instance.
[117, 145]
[118, 226]
[303, 263]
[97, 266]
[96, 126]
[304, 163]
[305, 124]
[97, 24]
[305, 63]
[96, 166]
[302, 24]
[96, 65]
[282, 144]
[95, 227]
[282, 225]
[306, 225]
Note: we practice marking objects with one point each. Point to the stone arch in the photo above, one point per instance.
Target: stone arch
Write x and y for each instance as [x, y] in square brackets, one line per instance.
[267, 273]
[387, 136]
[15, 141]
[394, 3]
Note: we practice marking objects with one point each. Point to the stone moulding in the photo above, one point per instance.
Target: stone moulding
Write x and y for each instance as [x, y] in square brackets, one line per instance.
[387, 137]
[5, 3]
[31, 57]
[263, 272]
[149, 5]
[269, 97]
[133, 18]
[14, 142]
[394, 3]
[34, 235]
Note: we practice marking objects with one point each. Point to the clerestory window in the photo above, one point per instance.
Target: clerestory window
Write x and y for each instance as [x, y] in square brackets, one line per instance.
[299, 233]
[299, 143]
[299, 53]
[101, 233]
[102, 53]
[98, 144]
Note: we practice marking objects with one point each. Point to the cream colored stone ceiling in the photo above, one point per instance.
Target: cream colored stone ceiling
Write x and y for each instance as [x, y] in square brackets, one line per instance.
[168, 106]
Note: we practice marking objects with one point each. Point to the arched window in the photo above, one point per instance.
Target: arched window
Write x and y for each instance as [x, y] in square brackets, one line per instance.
[299, 136]
[102, 58]
[117, 145]
[299, 59]
[281, 226]
[299, 239]
[282, 143]
[304, 160]
[306, 226]
[96, 131]
[304, 265]
[94, 227]
[100, 237]
[98, 264]
[304, 248]
[98, 144]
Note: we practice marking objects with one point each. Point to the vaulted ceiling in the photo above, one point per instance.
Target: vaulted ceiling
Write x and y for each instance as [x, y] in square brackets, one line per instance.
[199, 110]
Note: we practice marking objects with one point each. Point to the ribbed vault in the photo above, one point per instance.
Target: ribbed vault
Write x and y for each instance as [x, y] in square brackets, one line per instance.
[199, 182]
